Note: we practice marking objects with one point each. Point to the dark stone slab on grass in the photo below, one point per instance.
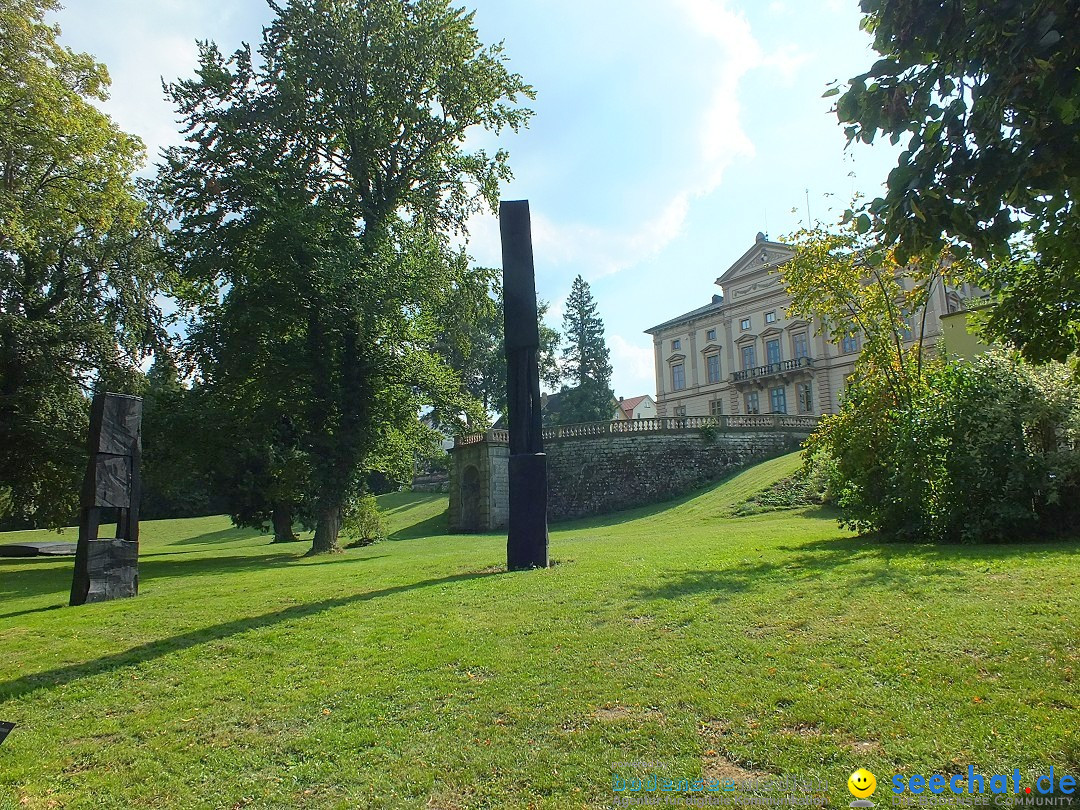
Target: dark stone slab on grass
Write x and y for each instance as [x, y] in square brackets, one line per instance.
[35, 548]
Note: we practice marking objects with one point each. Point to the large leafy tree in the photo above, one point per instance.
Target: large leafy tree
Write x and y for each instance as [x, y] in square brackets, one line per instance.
[314, 194]
[586, 360]
[987, 98]
[80, 269]
[474, 344]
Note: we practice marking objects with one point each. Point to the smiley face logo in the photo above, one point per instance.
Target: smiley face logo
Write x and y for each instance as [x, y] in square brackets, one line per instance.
[862, 784]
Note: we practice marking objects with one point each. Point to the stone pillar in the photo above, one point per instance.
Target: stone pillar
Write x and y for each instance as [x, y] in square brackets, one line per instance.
[527, 536]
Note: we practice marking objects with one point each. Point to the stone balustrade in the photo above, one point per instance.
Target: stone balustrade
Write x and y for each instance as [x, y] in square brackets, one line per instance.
[600, 467]
[659, 424]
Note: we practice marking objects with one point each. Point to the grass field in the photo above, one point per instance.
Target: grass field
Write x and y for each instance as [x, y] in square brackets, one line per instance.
[417, 673]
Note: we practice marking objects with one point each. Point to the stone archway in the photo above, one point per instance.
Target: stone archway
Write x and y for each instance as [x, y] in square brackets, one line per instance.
[470, 500]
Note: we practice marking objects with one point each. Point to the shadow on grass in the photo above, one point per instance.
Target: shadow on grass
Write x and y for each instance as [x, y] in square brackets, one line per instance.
[813, 562]
[432, 527]
[220, 536]
[60, 676]
[54, 576]
[797, 569]
[937, 551]
[27, 612]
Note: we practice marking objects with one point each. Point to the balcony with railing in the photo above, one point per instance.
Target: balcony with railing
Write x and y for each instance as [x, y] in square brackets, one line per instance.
[772, 369]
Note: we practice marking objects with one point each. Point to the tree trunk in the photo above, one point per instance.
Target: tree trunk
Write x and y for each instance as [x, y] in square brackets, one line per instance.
[326, 530]
[282, 520]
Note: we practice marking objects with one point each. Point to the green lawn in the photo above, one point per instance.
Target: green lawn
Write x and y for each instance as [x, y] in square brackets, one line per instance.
[416, 673]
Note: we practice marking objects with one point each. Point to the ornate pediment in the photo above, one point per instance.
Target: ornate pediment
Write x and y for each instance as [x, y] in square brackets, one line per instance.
[754, 266]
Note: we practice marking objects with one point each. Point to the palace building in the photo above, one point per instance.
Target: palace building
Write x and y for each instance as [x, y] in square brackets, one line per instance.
[742, 354]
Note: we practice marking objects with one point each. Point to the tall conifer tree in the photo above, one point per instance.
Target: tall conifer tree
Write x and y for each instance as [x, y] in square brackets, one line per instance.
[586, 359]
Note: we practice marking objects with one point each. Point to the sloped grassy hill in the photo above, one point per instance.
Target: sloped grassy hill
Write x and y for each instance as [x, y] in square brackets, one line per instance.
[416, 673]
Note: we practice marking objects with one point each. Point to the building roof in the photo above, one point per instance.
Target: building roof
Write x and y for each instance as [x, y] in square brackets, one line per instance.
[714, 306]
[763, 253]
[627, 405]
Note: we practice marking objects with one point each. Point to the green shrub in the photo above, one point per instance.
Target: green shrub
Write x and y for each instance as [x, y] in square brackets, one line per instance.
[982, 451]
[362, 523]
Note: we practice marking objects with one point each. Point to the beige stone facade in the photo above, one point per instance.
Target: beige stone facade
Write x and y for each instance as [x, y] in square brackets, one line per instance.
[741, 353]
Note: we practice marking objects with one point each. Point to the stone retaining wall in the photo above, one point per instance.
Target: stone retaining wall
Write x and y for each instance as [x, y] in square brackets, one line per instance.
[604, 474]
[602, 468]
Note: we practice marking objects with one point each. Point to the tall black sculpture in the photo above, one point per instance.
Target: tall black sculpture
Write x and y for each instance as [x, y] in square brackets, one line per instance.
[108, 568]
[527, 538]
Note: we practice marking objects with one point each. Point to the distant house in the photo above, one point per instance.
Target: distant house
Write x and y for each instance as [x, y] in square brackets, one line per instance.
[643, 407]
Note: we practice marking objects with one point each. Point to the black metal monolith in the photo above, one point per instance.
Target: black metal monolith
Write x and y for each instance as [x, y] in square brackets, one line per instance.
[527, 537]
[108, 568]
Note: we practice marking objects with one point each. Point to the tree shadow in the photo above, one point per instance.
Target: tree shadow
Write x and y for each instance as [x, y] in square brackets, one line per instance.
[432, 527]
[220, 536]
[60, 676]
[35, 576]
[43, 580]
[811, 566]
[809, 561]
[27, 612]
[888, 549]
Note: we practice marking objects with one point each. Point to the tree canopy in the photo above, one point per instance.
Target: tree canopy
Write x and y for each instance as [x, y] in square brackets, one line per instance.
[842, 279]
[314, 195]
[987, 96]
[474, 339]
[80, 269]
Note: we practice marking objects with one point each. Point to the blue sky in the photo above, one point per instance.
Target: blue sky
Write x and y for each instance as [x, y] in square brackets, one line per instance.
[667, 132]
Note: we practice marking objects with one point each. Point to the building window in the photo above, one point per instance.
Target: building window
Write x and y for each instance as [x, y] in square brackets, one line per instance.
[801, 345]
[804, 391]
[710, 335]
[772, 349]
[744, 324]
[751, 402]
[713, 364]
[770, 317]
[716, 408]
[850, 343]
[646, 404]
[680, 410]
[678, 377]
[749, 357]
[676, 344]
[778, 397]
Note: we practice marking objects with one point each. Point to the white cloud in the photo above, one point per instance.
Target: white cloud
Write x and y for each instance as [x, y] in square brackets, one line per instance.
[633, 364]
[720, 141]
[788, 60]
[145, 43]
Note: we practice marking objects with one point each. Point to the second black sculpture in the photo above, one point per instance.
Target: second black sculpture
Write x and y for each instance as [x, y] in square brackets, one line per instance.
[108, 568]
[527, 536]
